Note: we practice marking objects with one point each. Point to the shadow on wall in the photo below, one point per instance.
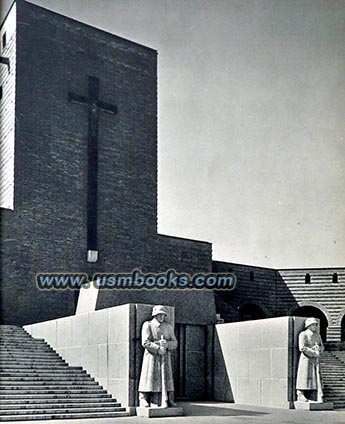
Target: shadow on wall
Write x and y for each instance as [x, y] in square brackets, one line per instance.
[222, 390]
[259, 293]
[250, 312]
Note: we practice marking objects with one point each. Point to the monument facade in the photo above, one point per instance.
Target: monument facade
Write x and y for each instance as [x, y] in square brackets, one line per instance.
[79, 162]
[79, 184]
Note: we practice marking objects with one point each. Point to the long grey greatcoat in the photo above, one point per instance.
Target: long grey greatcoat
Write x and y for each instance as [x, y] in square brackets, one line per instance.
[307, 371]
[151, 373]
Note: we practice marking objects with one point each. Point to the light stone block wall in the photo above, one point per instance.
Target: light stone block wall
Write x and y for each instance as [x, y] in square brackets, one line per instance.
[99, 341]
[255, 362]
[106, 343]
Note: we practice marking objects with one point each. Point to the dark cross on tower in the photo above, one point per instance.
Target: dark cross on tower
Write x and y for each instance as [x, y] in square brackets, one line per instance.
[94, 105]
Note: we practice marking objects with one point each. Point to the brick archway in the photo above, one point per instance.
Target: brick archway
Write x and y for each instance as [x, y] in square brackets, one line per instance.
[315, 305]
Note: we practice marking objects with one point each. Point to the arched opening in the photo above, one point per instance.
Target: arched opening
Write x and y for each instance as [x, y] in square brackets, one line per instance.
[250, 311]
[311, 311]
[342, 326]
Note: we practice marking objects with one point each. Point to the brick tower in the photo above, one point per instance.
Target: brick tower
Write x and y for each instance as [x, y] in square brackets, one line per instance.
[79, 129]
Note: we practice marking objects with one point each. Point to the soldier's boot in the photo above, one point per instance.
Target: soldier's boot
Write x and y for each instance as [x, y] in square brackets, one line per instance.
[171, 400]
[301, 397]
[315, 397]
[155, 399]
[144, 400]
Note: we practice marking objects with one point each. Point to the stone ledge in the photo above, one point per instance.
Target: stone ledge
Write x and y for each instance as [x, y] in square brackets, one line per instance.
[314, 406]
[159, 412]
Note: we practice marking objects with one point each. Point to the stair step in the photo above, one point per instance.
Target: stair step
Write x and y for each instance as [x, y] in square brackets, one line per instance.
[332, 385]
[35, 365]
[18, 341]
[49, 382]
[29, 355]
[20, 333]
[34, 368]
[51, 390]
[24, 345]
[47, 370]
[32, 361]
[54, 411]
[335, 395]
[54, 395]
[21, 351]
[333, 377]
[38, 355]
[50, 386]
[339, 405]
[40, 379]
[65, 416]
[42, 374]
[25, 351]
[105, 403]
[42, 358]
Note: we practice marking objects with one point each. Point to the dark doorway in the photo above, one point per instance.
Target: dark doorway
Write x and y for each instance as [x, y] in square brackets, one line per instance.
[190, 362]
[311, 311]
[250, 311]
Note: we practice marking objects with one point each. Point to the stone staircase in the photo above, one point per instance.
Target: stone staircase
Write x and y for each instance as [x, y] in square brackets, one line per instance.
[37, 384]
[333, 377]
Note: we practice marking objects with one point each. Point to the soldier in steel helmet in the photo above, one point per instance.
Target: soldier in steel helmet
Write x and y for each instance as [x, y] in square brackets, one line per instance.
[156, 386]
[308, 374]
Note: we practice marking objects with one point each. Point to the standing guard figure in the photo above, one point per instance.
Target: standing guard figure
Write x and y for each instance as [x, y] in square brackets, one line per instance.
[308, 374]
[156, 386]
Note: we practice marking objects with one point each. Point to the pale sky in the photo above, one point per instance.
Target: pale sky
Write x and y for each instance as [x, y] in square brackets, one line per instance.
[251, 122]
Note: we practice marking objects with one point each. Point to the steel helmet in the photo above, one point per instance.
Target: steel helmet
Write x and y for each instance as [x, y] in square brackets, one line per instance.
[310, 321]
[159, 309]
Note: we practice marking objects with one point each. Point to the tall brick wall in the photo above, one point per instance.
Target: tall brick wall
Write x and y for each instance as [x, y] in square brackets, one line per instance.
[192, 306]
[55, 56]
[47, 230]
[254, 286]
[285, 292]
[7, 109]
[324, 289]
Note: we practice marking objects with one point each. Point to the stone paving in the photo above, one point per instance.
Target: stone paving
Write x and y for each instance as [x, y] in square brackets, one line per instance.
[218, 413]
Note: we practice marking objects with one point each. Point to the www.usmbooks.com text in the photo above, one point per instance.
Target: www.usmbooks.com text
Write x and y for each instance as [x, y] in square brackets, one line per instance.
[137, 280]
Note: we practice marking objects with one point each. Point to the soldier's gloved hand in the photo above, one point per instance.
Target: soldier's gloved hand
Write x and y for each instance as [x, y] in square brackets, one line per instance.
[161, 350]
[163, 343]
